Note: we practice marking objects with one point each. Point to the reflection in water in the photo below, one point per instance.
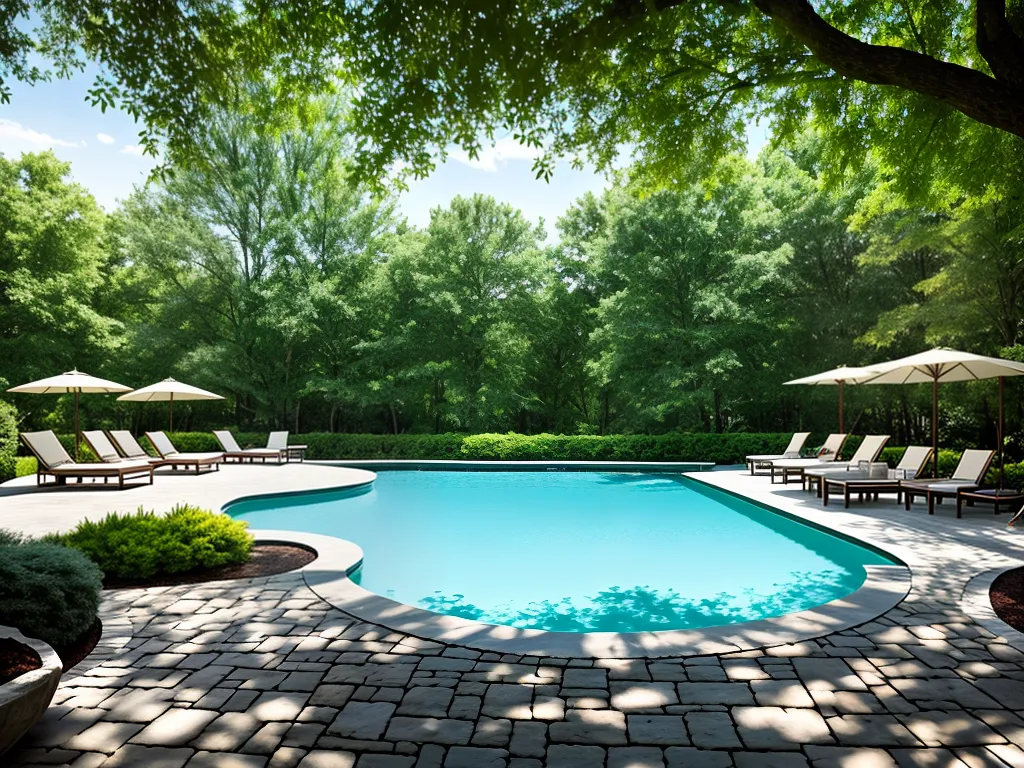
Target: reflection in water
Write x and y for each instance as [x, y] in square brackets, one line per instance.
[641, 609]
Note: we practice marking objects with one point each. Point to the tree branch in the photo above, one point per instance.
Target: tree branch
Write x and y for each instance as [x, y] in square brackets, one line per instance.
[998, 43]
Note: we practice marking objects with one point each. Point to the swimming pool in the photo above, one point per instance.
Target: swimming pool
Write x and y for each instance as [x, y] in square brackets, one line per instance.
[575, 551]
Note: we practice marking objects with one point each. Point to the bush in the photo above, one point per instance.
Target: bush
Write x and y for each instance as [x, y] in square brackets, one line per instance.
[26, 465]
[8, 441]
[142, 545]
[47, 591]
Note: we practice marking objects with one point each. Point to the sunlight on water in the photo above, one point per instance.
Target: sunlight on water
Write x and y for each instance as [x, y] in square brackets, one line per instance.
[575, 551]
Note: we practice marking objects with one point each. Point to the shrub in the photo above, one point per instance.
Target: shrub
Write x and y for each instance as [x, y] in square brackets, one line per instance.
[8, 441]
[143, 544]
[47, 591]
[26, 465]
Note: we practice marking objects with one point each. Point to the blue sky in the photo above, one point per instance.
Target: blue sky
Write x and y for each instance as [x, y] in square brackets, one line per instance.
[105, 157]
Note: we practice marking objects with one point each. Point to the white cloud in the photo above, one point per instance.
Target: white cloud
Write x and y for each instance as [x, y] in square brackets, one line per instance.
[104, 138]
[132, 149]
[15, 136]
[490, 158]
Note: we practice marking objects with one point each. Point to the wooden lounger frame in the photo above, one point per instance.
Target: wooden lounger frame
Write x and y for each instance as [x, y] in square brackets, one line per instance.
[107, 471]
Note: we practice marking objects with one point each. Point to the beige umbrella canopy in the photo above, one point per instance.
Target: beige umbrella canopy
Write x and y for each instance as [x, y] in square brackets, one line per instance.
[837, 377]
[939, 365]
[72, 381]
[167, 391]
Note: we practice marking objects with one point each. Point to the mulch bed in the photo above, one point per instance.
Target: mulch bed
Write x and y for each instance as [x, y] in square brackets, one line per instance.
[265, 560]
[16, 659]
[1007, 595]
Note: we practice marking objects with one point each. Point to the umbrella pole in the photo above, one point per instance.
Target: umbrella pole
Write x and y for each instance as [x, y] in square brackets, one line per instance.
[935, 427]
[76, 425]
[841, 382]
[171, 428]
[999, 437]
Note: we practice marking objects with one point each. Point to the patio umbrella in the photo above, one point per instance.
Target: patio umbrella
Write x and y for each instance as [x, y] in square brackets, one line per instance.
[837, 377]
[167, 391]
[72, 381]
[941, 364]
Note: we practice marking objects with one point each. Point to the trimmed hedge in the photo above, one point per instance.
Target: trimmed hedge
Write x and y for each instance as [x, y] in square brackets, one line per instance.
[8, 441]
[47, 591]
[26, 465]
[142, 545]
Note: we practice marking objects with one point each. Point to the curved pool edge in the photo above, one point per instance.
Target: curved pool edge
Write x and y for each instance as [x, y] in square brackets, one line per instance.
[976, 602]
[328, 578]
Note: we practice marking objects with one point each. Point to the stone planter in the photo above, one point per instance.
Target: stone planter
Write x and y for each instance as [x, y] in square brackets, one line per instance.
[25, 698]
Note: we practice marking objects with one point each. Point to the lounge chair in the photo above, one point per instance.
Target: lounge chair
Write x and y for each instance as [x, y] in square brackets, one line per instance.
[130, 448]
[868, 450]
[171, 455]
[911, 464]
[52, 460]
[279, 441]
[969, 473]
[796, 445]
[100, 444]
[828, 452]
[233, 451]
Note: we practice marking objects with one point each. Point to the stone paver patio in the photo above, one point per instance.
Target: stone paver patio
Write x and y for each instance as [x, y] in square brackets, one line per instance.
[262, 672]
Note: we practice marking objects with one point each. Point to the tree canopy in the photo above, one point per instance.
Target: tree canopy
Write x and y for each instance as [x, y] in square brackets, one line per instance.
[933, 89]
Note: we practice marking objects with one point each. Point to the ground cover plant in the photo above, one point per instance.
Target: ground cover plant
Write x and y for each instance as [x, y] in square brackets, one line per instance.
[47, 591]
[143, 544]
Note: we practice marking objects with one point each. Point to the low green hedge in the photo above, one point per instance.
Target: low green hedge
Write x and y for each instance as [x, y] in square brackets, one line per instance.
[8, 441]
[26, 465]
[47, 591]
[142, 545]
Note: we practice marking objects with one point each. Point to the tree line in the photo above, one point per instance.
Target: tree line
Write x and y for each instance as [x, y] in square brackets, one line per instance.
[267, 273]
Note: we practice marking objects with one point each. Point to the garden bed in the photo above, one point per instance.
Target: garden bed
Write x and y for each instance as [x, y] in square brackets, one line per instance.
[265, 560]
[16, 659]
[1007, 596]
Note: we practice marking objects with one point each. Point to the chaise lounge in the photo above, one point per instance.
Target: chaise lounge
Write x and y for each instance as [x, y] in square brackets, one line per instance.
[173, 457]
[911, 464]
[828, 453]
[52, 460]
[868, 450]
[968, 475]
[279, 441]
[232, 451]
[796, 445]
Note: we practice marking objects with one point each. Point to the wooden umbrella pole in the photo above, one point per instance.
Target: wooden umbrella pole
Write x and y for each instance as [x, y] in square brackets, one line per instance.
[171, 428]
[935, 426]
[841, 382]
[999, 437]
[76, 425]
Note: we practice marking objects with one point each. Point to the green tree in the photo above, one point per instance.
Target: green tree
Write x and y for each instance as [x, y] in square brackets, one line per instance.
[690, 324]
[52, 269]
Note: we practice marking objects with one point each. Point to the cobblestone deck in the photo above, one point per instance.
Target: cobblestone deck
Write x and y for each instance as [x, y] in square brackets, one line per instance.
[263, 673]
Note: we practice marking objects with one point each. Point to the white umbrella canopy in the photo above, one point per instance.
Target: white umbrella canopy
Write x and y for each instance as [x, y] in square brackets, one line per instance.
[167, 391]
[942, 364]
[837, 377]
[73, 381]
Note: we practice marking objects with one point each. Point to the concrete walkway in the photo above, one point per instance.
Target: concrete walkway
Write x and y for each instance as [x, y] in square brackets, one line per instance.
[263, 673]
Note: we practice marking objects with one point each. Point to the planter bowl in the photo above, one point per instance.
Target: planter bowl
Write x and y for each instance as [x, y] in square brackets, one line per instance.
[24, 699]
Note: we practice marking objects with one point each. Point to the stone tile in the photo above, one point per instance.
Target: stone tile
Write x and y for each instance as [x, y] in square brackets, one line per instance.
[691, 757]
[175, 727]
[528, 739]
[509, 701]
[642, 697]
[492, 733]
[849, 757]
[225, 760]
[228, 732]
[321, 758]
[475, 757]
[585, 678]
[770, 760]
[950, 729]
[926, 758]
[286, 757]
[274, 705]
[780, 693]
[778, 728]
[943, 689]
[561, 756]
[362, 720]
[429, 729]
[712, 730]
[871, 731]
[668, 730]
[135, 756]
[385, 761]
[103, 737]
[548, 708]
[827, 675]
[635, 757]
[590, 727]
[428, 702]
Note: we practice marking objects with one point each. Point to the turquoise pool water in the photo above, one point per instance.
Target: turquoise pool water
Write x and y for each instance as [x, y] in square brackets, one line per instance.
[575, 551]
